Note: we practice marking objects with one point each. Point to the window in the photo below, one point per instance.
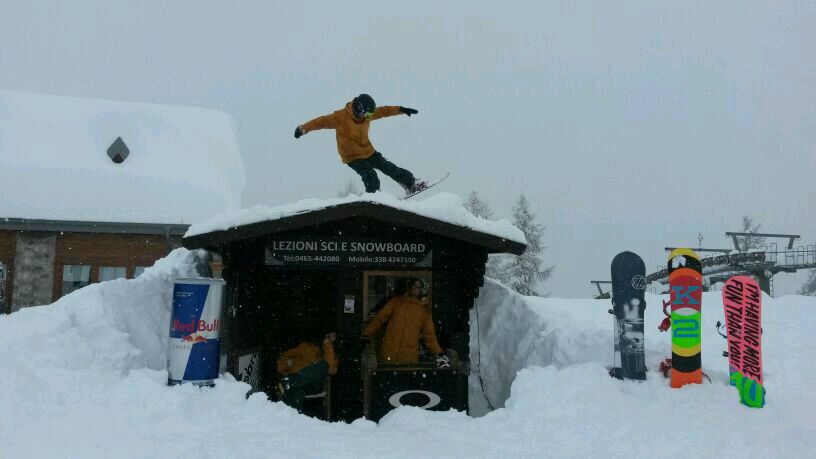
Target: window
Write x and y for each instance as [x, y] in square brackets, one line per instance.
[75, 277]
[107, 273]
[118, 151]
[381, 286]
[138, 271]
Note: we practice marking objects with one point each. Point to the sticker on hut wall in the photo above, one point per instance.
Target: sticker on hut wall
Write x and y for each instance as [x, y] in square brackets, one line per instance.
[426, 262]
[249, 370]
[348, 305]
[333, 251]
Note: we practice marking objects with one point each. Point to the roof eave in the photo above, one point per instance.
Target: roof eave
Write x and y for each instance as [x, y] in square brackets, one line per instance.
[78, 226]
[375, 211]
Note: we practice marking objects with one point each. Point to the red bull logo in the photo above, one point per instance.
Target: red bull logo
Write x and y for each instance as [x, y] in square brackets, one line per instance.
[194, 338]
[196, 326]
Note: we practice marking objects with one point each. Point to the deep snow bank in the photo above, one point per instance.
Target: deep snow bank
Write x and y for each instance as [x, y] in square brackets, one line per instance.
[514, 332]
[84, 377]
[120, 324]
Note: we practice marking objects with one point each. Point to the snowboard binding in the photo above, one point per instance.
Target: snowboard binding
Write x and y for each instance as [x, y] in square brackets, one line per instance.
[666, 324]
[665, 367]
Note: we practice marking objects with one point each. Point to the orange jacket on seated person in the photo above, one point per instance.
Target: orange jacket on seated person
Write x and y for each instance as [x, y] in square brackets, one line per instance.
[407, 318]
[305, 354]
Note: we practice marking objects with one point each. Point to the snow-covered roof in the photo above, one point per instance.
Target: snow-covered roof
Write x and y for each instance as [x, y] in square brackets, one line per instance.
[446, 208]
[183, 164]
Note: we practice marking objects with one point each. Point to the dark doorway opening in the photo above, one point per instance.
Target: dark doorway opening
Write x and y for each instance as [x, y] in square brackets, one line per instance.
[302, 306]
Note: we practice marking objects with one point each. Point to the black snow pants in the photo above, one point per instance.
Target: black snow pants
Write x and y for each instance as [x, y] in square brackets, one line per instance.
[366, 169]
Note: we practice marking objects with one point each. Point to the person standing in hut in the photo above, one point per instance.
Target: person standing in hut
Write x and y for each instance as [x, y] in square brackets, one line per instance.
[406, 318]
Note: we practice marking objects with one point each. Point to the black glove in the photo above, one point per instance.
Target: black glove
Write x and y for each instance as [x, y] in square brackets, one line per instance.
[442, 361]
[408, 111]
[365, 341]
[299, 132]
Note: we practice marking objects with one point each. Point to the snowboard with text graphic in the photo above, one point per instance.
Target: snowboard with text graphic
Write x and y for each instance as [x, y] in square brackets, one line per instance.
[742, 304]
[628, 306]
[686, 297]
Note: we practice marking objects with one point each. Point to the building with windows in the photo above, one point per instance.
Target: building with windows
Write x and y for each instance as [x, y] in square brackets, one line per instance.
[94, 190]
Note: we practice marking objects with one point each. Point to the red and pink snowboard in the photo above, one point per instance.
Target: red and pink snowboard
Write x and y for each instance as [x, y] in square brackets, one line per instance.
[742, 300]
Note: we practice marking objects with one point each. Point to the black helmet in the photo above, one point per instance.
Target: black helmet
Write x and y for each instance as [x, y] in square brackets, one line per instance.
[363, 104]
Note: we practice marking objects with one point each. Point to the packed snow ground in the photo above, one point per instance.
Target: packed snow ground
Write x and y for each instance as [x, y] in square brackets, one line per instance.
[84, 377]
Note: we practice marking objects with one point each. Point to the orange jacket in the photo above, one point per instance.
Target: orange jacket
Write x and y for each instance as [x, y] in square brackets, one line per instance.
[406, 318]
[351, 133]
[305, 354]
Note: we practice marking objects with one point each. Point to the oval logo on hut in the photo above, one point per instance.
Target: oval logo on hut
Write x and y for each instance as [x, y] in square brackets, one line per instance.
[433, 399]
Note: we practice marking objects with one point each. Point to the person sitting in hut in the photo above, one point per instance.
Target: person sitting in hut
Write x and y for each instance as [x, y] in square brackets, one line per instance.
[407, 317]
[304, 369]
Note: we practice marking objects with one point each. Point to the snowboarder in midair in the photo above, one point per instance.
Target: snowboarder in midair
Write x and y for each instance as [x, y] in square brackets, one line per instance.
[351, 131]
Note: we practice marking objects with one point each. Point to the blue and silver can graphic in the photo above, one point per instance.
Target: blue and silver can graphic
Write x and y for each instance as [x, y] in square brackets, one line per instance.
[195, 331]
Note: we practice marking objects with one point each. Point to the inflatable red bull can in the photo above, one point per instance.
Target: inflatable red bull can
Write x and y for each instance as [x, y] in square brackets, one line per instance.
[195, 331]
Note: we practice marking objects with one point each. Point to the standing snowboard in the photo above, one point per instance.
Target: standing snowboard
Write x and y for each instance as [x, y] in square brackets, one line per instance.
[686, 294]
[742, 301]
[628, 305]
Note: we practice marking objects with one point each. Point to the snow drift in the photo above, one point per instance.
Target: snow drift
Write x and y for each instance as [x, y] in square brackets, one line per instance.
[84, 377]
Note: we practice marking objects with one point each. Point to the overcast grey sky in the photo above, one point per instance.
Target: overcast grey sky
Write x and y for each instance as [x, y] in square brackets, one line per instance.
[629, 125]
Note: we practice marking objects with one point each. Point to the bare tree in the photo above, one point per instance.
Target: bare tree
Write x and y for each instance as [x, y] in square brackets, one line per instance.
[747, 243]
[352, 187]
[478, 206]
[809, 287]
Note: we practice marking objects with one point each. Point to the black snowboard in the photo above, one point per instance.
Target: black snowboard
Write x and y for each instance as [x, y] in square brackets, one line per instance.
[628, 305]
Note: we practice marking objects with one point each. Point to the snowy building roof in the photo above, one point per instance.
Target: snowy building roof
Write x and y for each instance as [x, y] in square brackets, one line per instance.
[442, 214]
[60, 160]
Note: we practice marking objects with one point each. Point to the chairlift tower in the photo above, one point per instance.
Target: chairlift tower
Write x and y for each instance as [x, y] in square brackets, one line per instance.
[601, 294]
[761, 263]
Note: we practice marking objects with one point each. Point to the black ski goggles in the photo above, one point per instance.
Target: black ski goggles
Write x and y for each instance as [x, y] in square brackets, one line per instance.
[361, 112]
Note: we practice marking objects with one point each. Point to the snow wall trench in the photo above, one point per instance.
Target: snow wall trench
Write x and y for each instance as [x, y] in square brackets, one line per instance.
[514, 332]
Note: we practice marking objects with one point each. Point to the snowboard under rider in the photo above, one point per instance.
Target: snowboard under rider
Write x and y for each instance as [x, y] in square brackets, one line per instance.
[351, 132]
